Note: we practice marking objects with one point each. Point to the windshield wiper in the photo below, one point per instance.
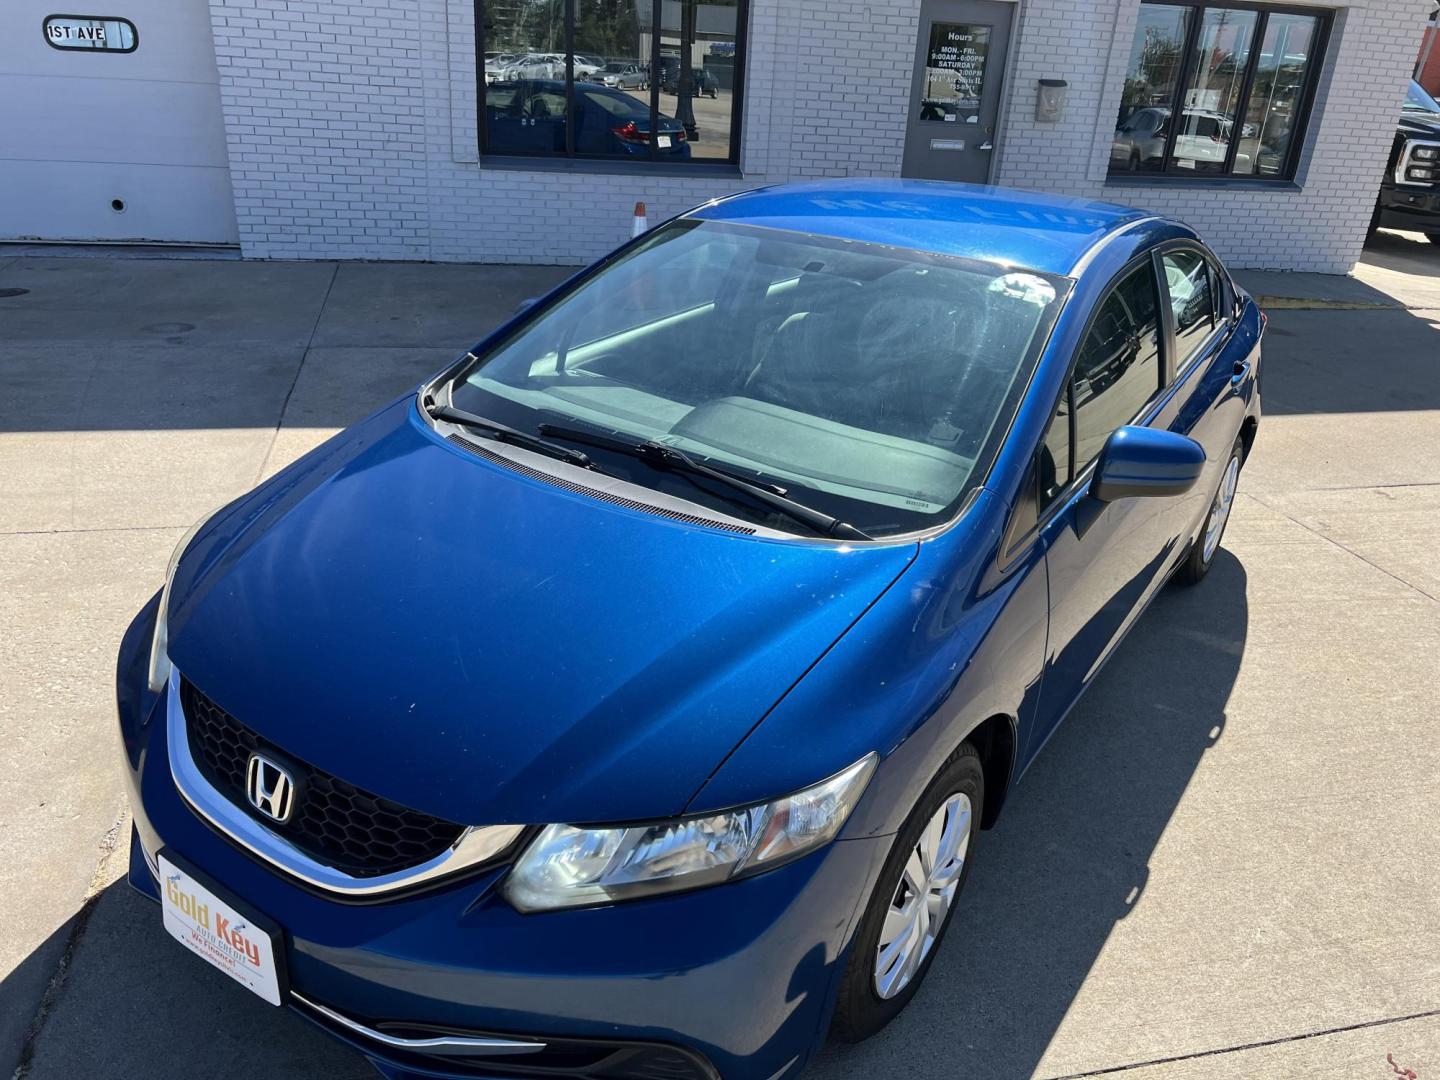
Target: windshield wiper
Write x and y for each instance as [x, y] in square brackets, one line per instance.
[505, 433]
[661, 456]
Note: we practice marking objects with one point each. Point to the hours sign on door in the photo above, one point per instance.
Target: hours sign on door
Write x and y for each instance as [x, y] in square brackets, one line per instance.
[954, 70]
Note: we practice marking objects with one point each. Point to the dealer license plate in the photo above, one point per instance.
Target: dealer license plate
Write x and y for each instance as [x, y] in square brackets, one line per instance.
[215, 929]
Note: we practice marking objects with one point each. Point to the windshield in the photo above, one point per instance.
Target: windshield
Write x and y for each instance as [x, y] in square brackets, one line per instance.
[869, 382]
[1417, 98]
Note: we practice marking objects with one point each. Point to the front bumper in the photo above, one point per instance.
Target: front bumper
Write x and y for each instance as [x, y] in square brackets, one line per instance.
[735, 981]
[1416, 209]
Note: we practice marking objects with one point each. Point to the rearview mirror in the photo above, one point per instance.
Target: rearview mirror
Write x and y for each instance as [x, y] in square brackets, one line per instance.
[1139, 461]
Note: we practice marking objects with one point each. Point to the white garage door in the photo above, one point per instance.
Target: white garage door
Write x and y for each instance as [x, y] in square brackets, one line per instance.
[104, 144]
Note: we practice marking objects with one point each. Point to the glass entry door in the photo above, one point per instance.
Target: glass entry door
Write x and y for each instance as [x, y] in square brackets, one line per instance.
[955, 96]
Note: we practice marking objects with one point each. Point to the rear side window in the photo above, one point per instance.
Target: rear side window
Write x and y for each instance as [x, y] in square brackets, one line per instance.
[1192, 299]
[1118, 369]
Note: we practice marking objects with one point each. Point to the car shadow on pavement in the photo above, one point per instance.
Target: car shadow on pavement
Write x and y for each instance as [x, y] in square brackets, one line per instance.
[1069, 857]
[1403, 252]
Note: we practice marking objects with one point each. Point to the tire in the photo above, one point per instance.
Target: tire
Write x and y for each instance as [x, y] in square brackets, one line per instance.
[1202, 551]
[862, 1008]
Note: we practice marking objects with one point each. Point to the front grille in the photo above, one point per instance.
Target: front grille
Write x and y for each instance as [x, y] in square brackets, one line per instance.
[334, 822]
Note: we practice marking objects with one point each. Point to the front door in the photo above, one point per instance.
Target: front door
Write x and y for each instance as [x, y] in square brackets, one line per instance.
[955, 96]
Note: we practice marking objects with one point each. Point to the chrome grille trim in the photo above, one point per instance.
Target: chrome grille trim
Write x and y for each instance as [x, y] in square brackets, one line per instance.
[440, 1045]
[476, 845]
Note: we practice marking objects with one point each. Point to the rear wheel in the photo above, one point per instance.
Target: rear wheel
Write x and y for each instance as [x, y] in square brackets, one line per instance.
[914, 898]
[1202, 551]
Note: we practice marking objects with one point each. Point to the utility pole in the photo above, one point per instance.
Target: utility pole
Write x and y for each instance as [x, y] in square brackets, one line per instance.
[685, 81]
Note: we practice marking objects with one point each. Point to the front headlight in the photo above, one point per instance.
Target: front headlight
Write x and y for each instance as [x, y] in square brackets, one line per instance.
[160, 643]
[578, 866]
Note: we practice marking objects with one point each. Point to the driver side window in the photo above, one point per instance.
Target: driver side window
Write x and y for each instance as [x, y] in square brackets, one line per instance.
[1118, 369]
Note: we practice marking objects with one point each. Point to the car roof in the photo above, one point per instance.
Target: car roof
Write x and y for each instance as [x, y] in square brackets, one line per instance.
[1049, 233]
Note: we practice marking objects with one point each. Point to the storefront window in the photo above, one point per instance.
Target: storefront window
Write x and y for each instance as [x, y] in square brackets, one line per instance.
[1276, 96]
[1238, 78]
[1150, 84]
[626, 80]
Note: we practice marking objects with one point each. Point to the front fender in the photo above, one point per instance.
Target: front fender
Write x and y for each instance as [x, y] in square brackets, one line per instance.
[949, 646]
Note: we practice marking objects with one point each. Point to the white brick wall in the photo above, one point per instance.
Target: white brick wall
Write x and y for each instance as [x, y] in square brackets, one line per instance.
[351, 129]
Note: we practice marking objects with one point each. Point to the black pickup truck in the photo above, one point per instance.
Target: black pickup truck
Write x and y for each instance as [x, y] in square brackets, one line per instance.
[1410, 190]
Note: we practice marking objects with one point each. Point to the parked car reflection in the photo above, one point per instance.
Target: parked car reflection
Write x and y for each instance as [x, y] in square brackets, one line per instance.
[620, 75]
[1204, 137]
[536, 66]
[528, 117]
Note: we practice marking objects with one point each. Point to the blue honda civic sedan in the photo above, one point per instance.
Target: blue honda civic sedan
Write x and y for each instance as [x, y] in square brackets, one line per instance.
[629, 700]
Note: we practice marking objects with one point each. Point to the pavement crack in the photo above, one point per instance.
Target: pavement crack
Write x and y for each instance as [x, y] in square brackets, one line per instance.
[1377, 487]
[304, 356]
[1113, 1069]
[1349, 551]
[109, 844]
[97, 529]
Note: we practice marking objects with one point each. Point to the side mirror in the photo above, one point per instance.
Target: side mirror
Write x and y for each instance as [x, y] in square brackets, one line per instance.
[1139, 461]
[526, 304]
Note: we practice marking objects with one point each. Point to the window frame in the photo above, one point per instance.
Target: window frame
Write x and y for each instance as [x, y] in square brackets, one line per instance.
[1166, 344]
[651, 164]
[1179, 367]
[1029, 517]
[1170, 173]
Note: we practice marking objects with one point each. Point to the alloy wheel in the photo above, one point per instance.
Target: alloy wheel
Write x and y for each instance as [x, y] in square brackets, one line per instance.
[923, 897]
[1220, 508]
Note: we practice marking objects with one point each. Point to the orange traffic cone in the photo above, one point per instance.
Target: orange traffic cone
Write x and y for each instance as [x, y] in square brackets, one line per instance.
[641, 222]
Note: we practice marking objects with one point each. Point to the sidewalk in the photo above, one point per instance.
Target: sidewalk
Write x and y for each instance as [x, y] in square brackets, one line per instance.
[1226, 864]
[1399, 270]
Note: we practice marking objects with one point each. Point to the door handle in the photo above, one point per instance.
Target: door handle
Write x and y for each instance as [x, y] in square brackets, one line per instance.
[1242, 368]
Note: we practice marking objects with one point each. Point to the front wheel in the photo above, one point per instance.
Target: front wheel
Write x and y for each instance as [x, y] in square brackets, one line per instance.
[914, 898]
[1202, 551]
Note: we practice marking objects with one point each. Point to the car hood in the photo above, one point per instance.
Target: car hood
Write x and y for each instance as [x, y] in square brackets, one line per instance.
[489, 647]
[1424, 124]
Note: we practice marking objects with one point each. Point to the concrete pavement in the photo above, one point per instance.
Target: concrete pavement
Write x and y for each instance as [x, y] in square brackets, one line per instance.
[1225, 864]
